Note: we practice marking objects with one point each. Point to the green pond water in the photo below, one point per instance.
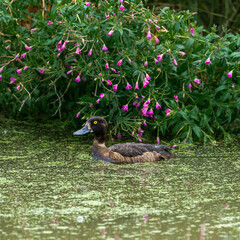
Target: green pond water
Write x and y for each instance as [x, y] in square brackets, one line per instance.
[51, 188]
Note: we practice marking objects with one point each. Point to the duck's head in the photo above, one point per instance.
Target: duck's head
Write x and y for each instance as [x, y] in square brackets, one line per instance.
[97, 125]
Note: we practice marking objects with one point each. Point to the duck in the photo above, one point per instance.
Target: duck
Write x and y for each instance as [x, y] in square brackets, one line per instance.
[127, 153]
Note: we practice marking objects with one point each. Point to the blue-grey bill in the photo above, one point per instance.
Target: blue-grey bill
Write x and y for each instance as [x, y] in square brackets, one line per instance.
[82, 131]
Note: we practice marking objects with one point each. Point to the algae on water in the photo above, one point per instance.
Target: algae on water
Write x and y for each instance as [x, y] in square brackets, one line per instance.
[51, 187]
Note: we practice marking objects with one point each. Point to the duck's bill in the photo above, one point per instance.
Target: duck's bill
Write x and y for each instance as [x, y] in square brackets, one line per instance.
[82, 131]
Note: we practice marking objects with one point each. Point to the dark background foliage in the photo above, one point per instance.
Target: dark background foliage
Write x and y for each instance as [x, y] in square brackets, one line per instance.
[204, 112]
[215, 12]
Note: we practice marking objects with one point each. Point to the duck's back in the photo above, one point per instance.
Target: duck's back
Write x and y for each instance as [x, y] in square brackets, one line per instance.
[139, 152]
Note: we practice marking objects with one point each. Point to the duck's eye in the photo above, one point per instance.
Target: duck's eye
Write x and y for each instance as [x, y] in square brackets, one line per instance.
[95, 122]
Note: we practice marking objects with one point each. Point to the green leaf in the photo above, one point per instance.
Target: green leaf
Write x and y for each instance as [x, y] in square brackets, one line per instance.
[189, 43]
[220, 88]
[235, 55]
[238, 42]
[197, 131]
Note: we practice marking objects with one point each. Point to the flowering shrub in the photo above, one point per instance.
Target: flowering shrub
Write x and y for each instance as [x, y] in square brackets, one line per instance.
[144, 73]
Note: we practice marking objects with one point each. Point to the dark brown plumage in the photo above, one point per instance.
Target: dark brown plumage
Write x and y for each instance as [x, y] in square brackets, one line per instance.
[121, 153]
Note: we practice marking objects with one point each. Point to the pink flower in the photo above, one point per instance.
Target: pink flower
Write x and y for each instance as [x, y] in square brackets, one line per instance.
[145, 105]
[208, 61]
[145, 83]
[26, 67]
[168, 110]
[128, 87]
[149, 35]
[158, 140]
[41, 71]
[189, 85]
[77, 115]
[107, 16]
[144, 111]
[119, 62]
[230, 74]
[27, 47]
[192, 30]
[160, 57]
[155, 60]
[197, 81]
[125, 107]
[158, 106]
[157, 27]
[135, 104]
[69, 72]
[121, 1]
[78, 51]
[148, 77]
[233, 85]
[109, 82]
[19, 71]
[90, 52]
[90, 105]
[182, 53]
[33, 30]
[110, 33]
[101, 95]
[0, 78]
[115, 87]
[174, 146]
[12, 80]
[104, 48]
[175, 62]
[150, 113]
[98, 101]
[145, 124]
[77, 79]
[122, 8]
[50, 22]
[136, 85]
[118, 136]
[176, 98]
[8, 47]
[140, 140]
[114, 70]
[18, 87]
[146, 64]
[156, 39]
[1, 69]
[23, 55]
[107, 66]
[87, 3]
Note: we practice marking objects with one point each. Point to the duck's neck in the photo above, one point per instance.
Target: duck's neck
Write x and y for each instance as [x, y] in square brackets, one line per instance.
[99, 149]
[99, 140]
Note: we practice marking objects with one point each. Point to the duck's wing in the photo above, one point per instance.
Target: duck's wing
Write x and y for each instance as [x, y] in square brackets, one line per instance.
[137, 149]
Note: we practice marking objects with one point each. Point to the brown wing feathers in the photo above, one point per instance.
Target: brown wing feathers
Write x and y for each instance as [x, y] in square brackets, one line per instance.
[137, 152]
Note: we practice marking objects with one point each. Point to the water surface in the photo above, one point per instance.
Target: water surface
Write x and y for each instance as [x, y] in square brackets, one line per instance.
[51, 188]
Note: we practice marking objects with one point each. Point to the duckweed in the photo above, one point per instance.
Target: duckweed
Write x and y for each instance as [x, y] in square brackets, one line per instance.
[51, 188]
